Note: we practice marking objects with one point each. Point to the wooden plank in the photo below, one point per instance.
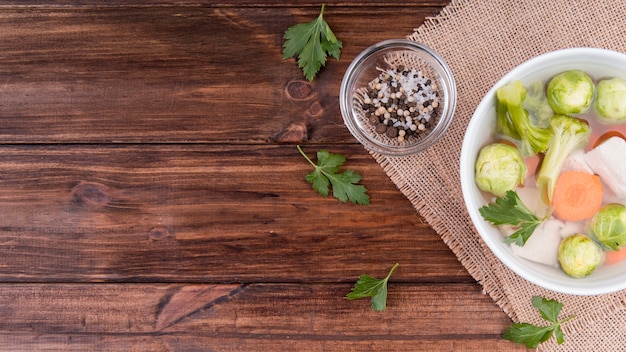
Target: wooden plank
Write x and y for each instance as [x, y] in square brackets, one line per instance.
[185, 213]
[177, 74]
[246, 317]
[81, 343]
[153, 198]
[78, 4]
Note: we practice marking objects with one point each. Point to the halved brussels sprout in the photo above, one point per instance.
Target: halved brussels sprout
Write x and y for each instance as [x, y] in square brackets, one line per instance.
[570, 92]
[608, 226]
[611, 101]
[499, 168]
[579, 255]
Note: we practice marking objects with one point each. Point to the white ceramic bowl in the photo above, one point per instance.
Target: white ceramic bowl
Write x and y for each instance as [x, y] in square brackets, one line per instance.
[598, 63]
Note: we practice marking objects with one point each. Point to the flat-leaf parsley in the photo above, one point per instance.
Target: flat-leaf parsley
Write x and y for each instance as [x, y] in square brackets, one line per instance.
[368, 286]
[510, 210]
[344, 184]
[532, 335]
[312, 42]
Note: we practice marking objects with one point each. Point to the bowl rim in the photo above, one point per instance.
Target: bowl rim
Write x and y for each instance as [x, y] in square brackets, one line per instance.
[595, 287]
[446, 78]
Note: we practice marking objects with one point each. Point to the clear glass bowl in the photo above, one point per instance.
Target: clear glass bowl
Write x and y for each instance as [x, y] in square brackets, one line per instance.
[405, 58]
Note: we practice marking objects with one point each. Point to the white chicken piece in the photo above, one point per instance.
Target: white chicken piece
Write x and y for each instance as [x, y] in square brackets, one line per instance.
[608, 160]
[543, 245]
[532, 200]
[576, 162]
[570, 228]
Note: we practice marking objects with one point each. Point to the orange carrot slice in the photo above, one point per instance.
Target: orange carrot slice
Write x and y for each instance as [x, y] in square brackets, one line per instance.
[577, 196]
[532, 164]
[608, 135]
[612, 257]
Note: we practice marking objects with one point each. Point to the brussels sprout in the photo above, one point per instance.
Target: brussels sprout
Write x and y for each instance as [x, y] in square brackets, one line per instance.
[579, 255]
[499, 168]
[608, 226]
[570, 92]
[611, 100]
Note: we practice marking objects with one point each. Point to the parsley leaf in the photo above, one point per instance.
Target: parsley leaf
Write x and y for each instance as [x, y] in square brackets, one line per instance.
[368, 286]
[532, 335]
[510, 210]
[312, 42]
[326, 174]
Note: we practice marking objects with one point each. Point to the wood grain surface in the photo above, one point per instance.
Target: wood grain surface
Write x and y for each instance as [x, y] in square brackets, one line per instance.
[153, 198]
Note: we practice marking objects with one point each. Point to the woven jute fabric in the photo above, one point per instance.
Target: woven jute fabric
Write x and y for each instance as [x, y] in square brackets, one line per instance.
[481, 41]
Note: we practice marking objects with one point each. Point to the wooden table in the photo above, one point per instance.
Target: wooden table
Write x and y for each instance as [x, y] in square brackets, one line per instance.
[153, 198]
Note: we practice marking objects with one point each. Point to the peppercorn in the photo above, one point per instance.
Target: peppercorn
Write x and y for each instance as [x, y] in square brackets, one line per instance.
[400, 103]
[391, 132]
[381, 128]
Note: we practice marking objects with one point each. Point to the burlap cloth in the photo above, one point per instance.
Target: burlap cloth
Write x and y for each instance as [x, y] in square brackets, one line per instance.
[481, 41]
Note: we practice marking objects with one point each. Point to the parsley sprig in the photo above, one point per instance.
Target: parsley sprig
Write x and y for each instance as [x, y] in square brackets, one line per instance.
[510, 210]
[368, 286]
[532, 335]
[325, 175]
[312, 42]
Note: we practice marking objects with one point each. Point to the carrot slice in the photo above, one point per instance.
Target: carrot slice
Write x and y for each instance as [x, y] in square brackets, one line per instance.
[612, 257]
[532, 164]
[577, 196]
[608, 135]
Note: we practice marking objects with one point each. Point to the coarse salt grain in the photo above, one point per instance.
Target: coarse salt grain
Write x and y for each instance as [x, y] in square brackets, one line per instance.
[409, 94]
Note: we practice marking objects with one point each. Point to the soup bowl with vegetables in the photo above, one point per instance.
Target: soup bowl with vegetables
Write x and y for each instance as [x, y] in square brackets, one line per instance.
[543, 170]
